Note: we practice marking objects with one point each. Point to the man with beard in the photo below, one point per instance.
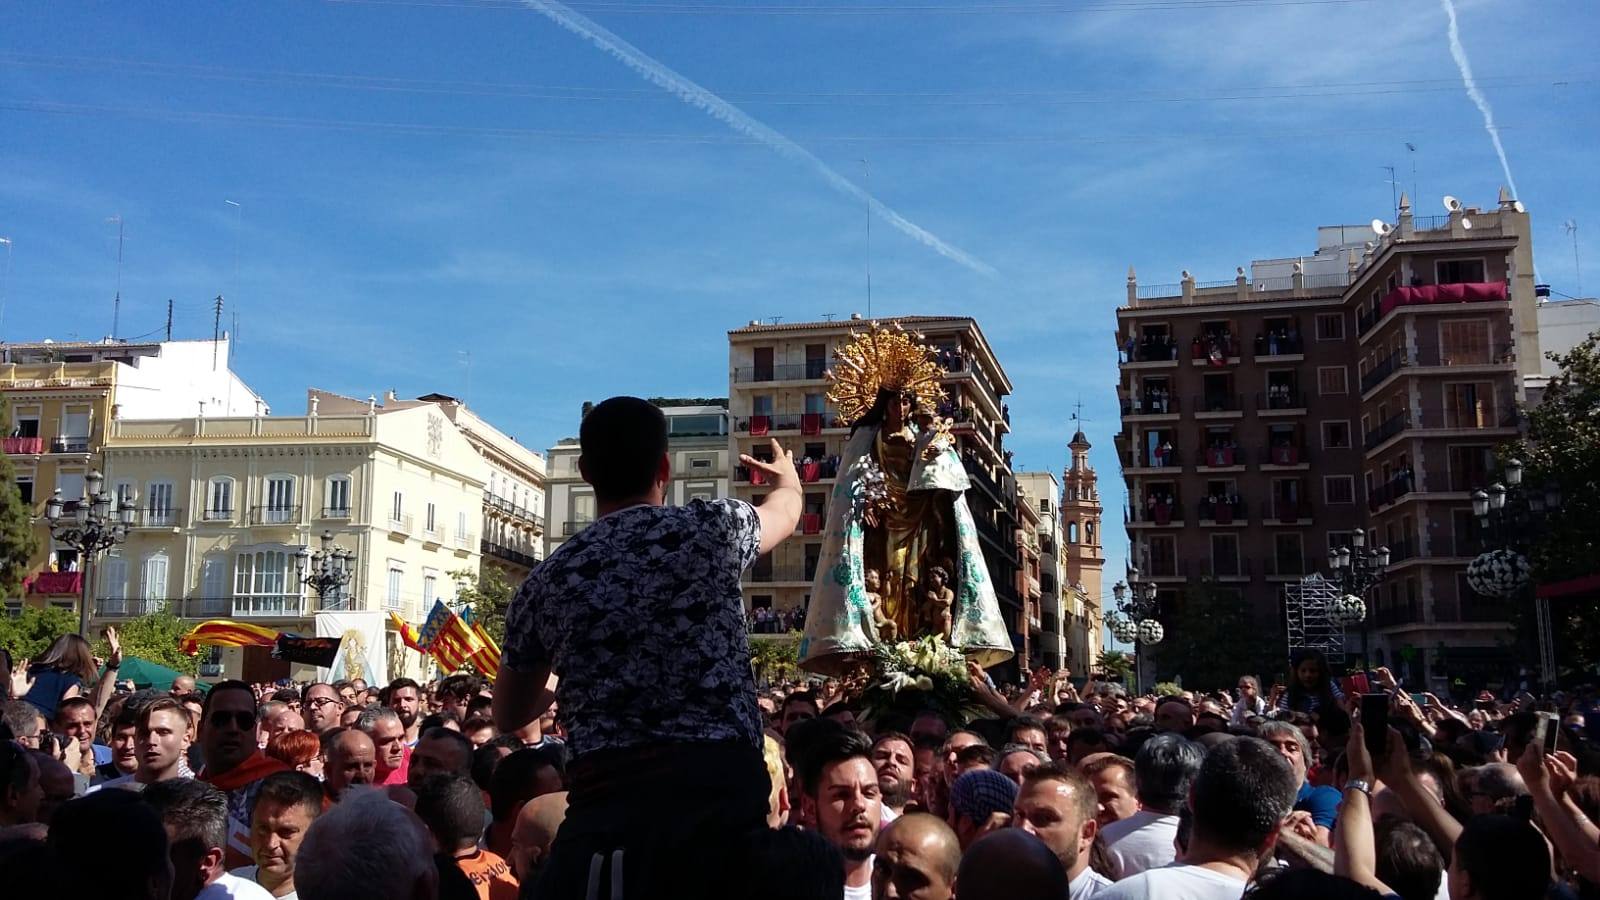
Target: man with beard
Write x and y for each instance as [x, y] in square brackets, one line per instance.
[894, 761]
[1057, 806]
[841, 791]
[234, 764]
[405, 698]
[321, 707]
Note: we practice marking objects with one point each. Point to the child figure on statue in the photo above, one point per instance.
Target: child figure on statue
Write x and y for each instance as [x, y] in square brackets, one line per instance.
[940, 599]
[883, 627]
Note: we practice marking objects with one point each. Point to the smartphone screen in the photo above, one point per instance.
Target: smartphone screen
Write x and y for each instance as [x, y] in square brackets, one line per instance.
[1547, 730]
[1375, 722]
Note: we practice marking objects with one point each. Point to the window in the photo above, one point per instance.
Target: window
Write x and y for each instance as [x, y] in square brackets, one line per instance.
[264, 584]
[1072, 532]
[461, 527]
[397, 507]
[219, 498]
[429, 523]
[158, 503]
[696, 425]
[1162, 555]
[1337, 539]
[25, 488]
[1464, 343]
[155, 577]
[583, 507]
[279, 507]
[1044, 504]
[1469, 405]
[1288, 554]
[1224, 555]
[213, 578]
[1470, 467]
[815, 404]
[1339, 489]
[1464, 532]
[1335, 435]
[123, 493]
[336, 499]
[430, 588]
[762, 357]
[1330, 327]
[761, 405]
[706, 492]
[699, 463]
[392, 592]
[1330, 380]
[70, 484]
[1459, 271]
[75, 428]
[116, 578]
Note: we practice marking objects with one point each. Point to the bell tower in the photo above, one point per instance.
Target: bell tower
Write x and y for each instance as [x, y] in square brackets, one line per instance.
[1082, 555]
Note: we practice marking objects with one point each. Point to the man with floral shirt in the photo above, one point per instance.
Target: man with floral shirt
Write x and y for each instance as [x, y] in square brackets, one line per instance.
[641, 616]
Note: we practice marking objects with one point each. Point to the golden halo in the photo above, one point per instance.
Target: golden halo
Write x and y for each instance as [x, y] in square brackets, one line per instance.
[883, 359]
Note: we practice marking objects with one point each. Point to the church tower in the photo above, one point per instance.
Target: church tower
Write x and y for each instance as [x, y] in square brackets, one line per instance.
[1082, 557]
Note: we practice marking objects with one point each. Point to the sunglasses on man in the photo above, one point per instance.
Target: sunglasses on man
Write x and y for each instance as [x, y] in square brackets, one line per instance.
[241, 719]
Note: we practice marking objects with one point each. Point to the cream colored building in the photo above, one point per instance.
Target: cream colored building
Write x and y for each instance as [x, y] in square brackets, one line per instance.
[697, 439]
[226, 504]
[1042, 493]
[60, 397]
[1082, 560]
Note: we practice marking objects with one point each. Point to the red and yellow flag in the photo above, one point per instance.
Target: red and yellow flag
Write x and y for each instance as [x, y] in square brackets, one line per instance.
[226, 633]
[488, 659]
[408, 632]
[448, 639]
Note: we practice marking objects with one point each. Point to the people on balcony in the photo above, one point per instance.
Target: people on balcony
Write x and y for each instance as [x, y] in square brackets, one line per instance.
[1281, 396]
[1150, 348]
[1222, 452]
[1156, 400]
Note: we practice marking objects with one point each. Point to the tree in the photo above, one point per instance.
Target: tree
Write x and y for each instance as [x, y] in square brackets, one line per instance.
[1115, 662]
[1211, 639]
[775, 659]
[489, 593]
[1562, 448]
[30, 634]
[17, 540]
[153, 637]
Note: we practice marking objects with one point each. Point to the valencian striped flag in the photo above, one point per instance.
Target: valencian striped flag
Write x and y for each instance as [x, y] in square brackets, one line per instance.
[226, 633]
[448, 639]
[488, 659]
[407, 631]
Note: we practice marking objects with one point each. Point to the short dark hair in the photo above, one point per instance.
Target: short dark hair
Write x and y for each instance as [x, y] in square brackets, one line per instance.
[1299, 884]
[1504, 856]
[824, 746]
[1091, 736]
[404, 682]
[1408, 861]
[885, 737]
[70, 704]
[800, 697]
[286, 695]
[464, 686]
[1167, 765]
[982, 754]
[1023, 723]
[1242, 793]
[124, 867]
[456, 737]
[305, 695]
[512, 783]
[621, 443]
[1083, 796]
[452, 808]
[194, 812]
[789, 863]
[437, 720]
[232, 684]
[292, 789]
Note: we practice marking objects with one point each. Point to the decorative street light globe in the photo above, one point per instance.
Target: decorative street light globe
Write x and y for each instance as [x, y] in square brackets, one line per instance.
[1124, 630]
[1499, 573]
[1349, 609]
[1150, 632]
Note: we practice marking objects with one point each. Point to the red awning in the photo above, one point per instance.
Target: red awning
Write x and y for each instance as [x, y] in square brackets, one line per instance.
[1581, 585]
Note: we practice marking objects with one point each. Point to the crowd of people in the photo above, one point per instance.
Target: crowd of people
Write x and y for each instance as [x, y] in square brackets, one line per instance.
[654, 768]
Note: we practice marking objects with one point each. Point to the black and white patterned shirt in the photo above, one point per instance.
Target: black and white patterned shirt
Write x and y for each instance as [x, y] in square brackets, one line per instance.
[641, 616]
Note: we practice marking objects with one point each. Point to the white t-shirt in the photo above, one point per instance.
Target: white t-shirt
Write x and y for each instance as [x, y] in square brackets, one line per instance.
[1142, 841]
[865, 891]
[231, 887]
[1089, 883]
[1175, 883]
[250, 874]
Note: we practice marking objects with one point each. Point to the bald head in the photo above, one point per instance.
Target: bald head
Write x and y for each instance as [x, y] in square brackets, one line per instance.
[1013, 864]
[917, 852]
[351, 759]
[535, 831]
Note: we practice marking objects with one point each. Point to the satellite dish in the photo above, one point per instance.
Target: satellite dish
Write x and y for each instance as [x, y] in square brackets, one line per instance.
[1451, 204]
[1466, 223]
[1381, 228]
[1517, 205]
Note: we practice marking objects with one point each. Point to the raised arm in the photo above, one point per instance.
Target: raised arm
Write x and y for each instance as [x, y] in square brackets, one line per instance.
[1570, 831]
[1355, 852]
[780, 510]
[106, 686]
[1424, 808]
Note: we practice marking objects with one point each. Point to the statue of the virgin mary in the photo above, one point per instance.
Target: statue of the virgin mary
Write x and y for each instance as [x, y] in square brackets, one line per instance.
[900, 556]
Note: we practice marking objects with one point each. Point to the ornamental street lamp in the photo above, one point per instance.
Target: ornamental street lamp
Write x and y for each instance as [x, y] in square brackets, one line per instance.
[1356, 569]
[327, 571]
[96, 522]
[1135, 618]
[1510, 517]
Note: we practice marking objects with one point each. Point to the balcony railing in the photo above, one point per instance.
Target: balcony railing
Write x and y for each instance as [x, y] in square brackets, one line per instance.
[811, 523]
[777, 573]
[1391, 363]
[1222, 457]
[1278, 345]
[336, 512]
[1390, 427]
[1222, 512]
[1215, 348]
[1149, 350]
[1280, 398]
[573, 526]
[70, 444]
[1429, 294]
[501, 504]
[810, 472]
[1285, 510]
[23, 445]
[401, 524]
[465, 540]
[160, 518]
[269, 605]
[1466, 417]
[1389, 492]
[1401, 613]
[1150, 405]
[119, 608]
[1225, 568]
[275, 515]
[56, 583]
[1157, 513]
[809, 370]
[1159, 458]
[217, 515]
[1284, 455]
[1401, 550]
[1216, 403]
[501, 551]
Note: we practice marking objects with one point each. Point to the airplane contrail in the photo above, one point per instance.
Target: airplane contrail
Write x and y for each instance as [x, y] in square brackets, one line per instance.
[717, 108]
[1459, 53]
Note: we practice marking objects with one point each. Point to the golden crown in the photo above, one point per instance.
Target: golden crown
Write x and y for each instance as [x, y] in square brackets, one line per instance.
[883, 358]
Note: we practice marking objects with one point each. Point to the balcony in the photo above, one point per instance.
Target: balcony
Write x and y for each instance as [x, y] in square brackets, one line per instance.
[1430, 294]
[1401, 550]
[1475, 417]
[997, 490]
[1397, 615]
[1223, 458]
[217, 515]
[1290, 512]
[275, 515]
[1390, 427]
[1214, 350]
[432, 536]
[1161, 350]
[1163, 457]
[573, 526]
[1221, 512]
[811, 523]
[1287, 568]
[1160, 515]
[401, 525]
[1284, 456]
[23, 446]
[812, 472]
[160, 518]
[206, 607]
[1217, 406]
[501, 504]
[70, 444]
[760, 426]
[1270, 346]
[56, 583]
[782, 574]
[1281, 400]
[118, 608]
[336, 512]
[465, 542]
[810, 370]
[1392, 363]
[502, 552]
[1225, 570]
[269, 606]
[1389, 492]
[1150, 405]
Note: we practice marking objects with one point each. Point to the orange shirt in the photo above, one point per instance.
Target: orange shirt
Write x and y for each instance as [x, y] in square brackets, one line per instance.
[489, 874]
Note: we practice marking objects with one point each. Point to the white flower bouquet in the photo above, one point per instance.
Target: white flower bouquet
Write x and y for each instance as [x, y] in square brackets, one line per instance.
[912, 676]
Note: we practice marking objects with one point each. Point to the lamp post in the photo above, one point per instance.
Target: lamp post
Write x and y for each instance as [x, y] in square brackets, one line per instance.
[1510, 517]
[1356, 569]
[326, 571]
[96, 522]
[1135, 619]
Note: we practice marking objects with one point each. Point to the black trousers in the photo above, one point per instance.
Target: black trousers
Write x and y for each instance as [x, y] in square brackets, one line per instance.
[661, 821]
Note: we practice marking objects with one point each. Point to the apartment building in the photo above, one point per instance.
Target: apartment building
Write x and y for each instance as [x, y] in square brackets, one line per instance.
[1267, 418]
[60, 397]
[697, 439]
[227, 504]
[777, 388]
[1041, 493]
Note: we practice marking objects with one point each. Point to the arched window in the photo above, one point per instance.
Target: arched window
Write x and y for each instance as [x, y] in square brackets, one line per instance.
[1088, 531]
[1072, 532]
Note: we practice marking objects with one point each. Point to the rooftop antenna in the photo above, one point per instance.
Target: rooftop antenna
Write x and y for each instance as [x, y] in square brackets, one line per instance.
[1394, 190]
[828, 317]
[1411, 151]
[867, 173]
[238, 230]
[5, 284]
[216, 330]
[775, 320]
[1570, 226]
[116, 303]
[169, 318]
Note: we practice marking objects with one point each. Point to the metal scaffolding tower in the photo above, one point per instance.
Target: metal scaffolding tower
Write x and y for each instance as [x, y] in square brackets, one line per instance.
[1308, 614]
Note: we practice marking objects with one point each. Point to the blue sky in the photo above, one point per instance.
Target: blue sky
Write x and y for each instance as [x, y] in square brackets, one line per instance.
[420, 178]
